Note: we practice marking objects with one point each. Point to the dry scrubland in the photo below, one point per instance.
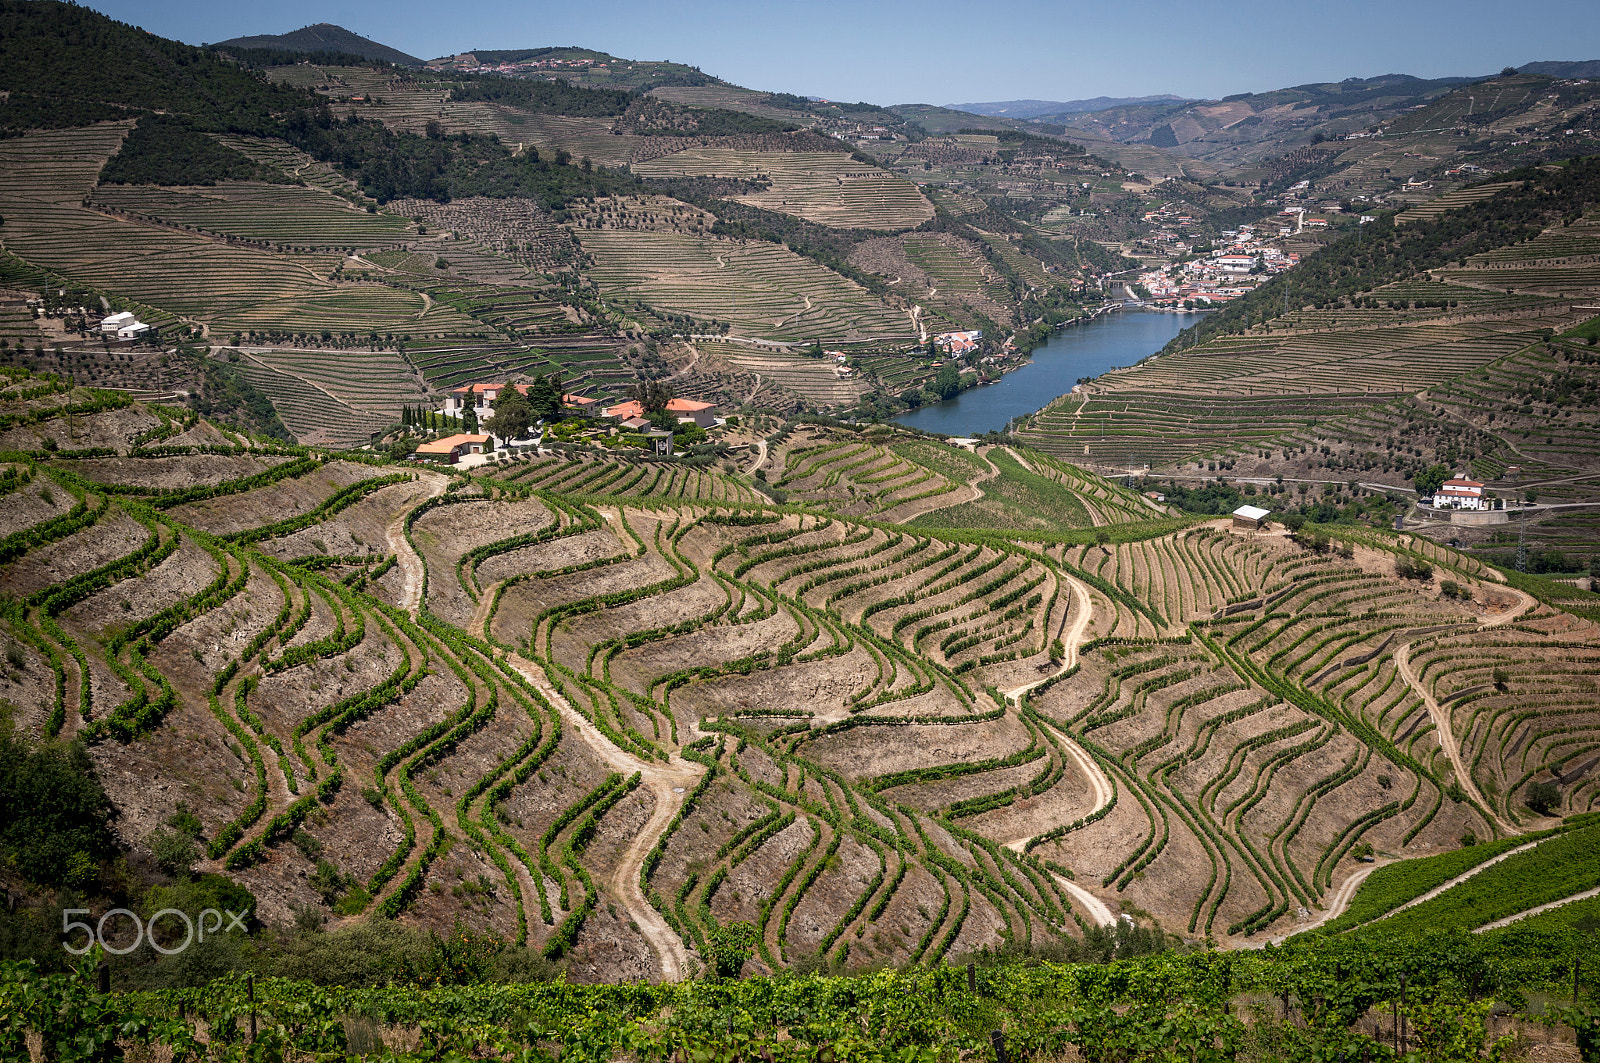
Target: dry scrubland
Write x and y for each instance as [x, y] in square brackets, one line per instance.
[650, 706]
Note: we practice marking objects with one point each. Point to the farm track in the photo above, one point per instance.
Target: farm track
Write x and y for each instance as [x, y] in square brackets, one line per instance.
[1469, 873]
[667, 784]
[1508, 920]
[1336, 906]
[911, 510]
[1098, 911]
[1092, 772]
[410, 562]
[1441, 716]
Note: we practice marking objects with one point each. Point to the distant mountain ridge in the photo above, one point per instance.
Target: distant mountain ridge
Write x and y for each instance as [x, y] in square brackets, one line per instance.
[1035, 108]
[325, 37]
[1580, 68]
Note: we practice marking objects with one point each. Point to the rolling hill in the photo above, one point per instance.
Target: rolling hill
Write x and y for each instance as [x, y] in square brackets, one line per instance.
[324, 37]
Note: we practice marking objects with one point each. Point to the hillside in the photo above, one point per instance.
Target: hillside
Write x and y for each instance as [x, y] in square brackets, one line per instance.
[818, 693]
[612, 709]
[1455, 338]
[1041, 108]
[324, 37]
[448, 223]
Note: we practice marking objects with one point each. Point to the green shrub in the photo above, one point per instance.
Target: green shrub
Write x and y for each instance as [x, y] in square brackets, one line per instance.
[1543, 797]
[174, 853]
[53, 811]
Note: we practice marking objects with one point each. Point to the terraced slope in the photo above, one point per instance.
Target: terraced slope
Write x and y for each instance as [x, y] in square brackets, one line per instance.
[762, 291]
[611, 709]
[827, 187]
[1435, 354]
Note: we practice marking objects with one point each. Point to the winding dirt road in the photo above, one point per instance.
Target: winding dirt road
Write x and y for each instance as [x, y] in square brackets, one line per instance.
[1336, 906]
[668, 784]
[1441, 716]
[1092, 773]
[410, 562]
[1098, 912]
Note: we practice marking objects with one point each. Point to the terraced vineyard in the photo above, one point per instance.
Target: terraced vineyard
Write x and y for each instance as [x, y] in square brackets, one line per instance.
[829, 188]
[632, 704]
[276, 215]
[763, 291]
[812, 379]
[46, 177]
[339, 398]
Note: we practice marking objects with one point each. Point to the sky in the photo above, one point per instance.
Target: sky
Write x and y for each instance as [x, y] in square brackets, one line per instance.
[937, 51]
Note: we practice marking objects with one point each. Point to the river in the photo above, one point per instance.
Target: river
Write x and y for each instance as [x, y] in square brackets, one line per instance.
[1108, 342]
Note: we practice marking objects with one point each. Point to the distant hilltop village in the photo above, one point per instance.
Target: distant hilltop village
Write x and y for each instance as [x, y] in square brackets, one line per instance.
[468, 63]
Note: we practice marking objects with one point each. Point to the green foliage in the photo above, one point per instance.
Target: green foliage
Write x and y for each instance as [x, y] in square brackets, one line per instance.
[226, 395]
[54, 814]
[1558, 867]
[74, 65]
[730, 947]
[166, 149]
[1543, 797]
[1430, 479]
[545, 97]
[1392, 885]
[1155, 1005]
[174, 853]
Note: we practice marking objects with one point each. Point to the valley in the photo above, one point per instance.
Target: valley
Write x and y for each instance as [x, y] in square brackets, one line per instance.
[480, 514]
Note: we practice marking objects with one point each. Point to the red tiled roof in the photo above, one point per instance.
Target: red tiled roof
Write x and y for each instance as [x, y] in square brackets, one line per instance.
[449, 443]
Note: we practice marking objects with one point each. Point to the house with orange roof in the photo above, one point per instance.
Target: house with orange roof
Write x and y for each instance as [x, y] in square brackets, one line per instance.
[451, 449]
[581, 404]
[1459, 493]
[703, 414]
[477, 397]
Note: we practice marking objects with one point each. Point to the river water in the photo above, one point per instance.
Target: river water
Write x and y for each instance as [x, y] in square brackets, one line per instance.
[1110, 341]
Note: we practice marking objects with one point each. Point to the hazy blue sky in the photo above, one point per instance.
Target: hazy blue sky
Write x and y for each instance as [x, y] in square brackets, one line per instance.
[936, 51]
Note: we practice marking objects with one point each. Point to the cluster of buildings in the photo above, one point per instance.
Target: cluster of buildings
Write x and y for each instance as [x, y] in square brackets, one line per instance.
[467, 63]
[124, 326]
[1227, 273]
[479, 399]
[958, 343]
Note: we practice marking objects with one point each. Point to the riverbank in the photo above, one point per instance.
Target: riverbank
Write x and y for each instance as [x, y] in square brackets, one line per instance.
[1111, 336]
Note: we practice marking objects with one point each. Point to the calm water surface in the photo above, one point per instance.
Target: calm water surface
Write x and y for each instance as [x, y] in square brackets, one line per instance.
[1111, 341]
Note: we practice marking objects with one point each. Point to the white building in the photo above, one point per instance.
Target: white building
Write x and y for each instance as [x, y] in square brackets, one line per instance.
[1252, 518]
[1459, 494]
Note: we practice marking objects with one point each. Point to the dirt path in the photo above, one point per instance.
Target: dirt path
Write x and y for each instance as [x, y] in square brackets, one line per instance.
[1508, 920]
[761, 457]
[1447, 739]
[1098, 912]
[967, 492]
[1072, 639]
[1337, 905]
[410, 562]
[1441, 715]
[667, 783]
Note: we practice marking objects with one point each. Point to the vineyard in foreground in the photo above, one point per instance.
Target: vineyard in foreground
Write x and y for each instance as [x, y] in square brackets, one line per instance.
[1434, 999]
